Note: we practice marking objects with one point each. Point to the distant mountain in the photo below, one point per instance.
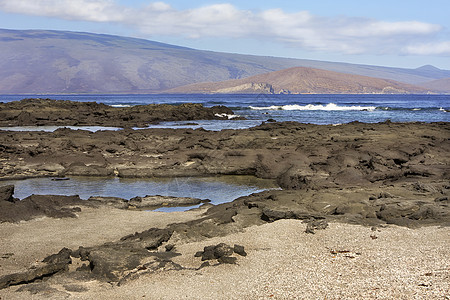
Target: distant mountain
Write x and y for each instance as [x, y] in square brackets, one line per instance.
[439, 85]
[40, 61]
[303, 80]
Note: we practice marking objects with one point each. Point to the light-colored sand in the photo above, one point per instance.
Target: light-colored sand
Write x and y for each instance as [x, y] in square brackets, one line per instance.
[33, 240]
[283, 261]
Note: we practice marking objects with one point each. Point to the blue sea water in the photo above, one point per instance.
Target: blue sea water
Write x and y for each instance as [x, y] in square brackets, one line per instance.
[315, 109]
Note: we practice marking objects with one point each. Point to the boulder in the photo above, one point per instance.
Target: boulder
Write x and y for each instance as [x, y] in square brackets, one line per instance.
[222, 252]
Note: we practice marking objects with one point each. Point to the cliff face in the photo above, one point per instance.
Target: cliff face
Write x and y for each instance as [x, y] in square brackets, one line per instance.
[304, 80]
[247, 88]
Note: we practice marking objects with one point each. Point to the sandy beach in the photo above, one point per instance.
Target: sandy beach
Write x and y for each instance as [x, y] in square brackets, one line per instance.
[340, 262]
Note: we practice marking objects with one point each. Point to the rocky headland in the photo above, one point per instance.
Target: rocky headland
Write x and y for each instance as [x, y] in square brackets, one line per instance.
[356, 173]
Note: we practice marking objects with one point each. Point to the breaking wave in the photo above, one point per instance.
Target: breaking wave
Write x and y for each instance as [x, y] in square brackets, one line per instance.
[328, 107]
[121, 105]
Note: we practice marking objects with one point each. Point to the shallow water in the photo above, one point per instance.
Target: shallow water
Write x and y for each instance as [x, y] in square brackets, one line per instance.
[53, 128]
[217, 189]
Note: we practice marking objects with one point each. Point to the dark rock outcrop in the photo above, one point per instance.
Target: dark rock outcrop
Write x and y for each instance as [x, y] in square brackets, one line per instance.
[54, 206]
[6, 193]
[49, 266]
[38, 112]
[368, 174]
[222, 252]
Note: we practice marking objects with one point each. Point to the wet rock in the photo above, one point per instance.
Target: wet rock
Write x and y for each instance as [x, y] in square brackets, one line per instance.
[91, 170]
[157, 201]
[110, 201]
[6, 193]
[60, 178]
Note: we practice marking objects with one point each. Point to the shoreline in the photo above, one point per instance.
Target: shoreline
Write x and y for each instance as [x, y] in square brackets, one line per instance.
[358, 184]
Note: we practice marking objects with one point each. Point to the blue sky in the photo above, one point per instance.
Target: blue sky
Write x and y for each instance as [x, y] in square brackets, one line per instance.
[402, 33]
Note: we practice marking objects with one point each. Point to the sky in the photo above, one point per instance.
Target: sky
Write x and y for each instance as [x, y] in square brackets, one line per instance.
[396, 33]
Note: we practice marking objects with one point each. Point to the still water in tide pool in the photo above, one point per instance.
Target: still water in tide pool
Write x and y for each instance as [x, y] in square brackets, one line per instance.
[217, 189]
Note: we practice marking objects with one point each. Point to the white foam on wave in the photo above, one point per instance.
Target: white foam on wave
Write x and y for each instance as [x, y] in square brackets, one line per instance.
[328, 107]
[226, 116]
[121, 105]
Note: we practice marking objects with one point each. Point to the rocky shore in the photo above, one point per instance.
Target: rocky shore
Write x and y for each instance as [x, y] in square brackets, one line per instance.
[39, 112]
[374, 175]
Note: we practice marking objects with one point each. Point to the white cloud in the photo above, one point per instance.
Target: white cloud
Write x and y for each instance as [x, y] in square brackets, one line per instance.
[437, 48]
[299, 29]
[381, 28]
[159, 6]
[86, 10]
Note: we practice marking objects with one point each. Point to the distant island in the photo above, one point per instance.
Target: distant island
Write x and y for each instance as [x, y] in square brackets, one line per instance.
[45, 61]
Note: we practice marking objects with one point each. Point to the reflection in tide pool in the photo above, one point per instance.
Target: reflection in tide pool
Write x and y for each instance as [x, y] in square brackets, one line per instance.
[217, 189]
[53, 128]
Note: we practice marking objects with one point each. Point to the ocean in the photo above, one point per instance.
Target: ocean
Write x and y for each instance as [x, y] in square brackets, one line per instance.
[314, 109]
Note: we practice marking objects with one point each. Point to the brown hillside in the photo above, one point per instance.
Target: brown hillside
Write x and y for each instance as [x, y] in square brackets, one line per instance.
[303, 80]
[440, 85]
